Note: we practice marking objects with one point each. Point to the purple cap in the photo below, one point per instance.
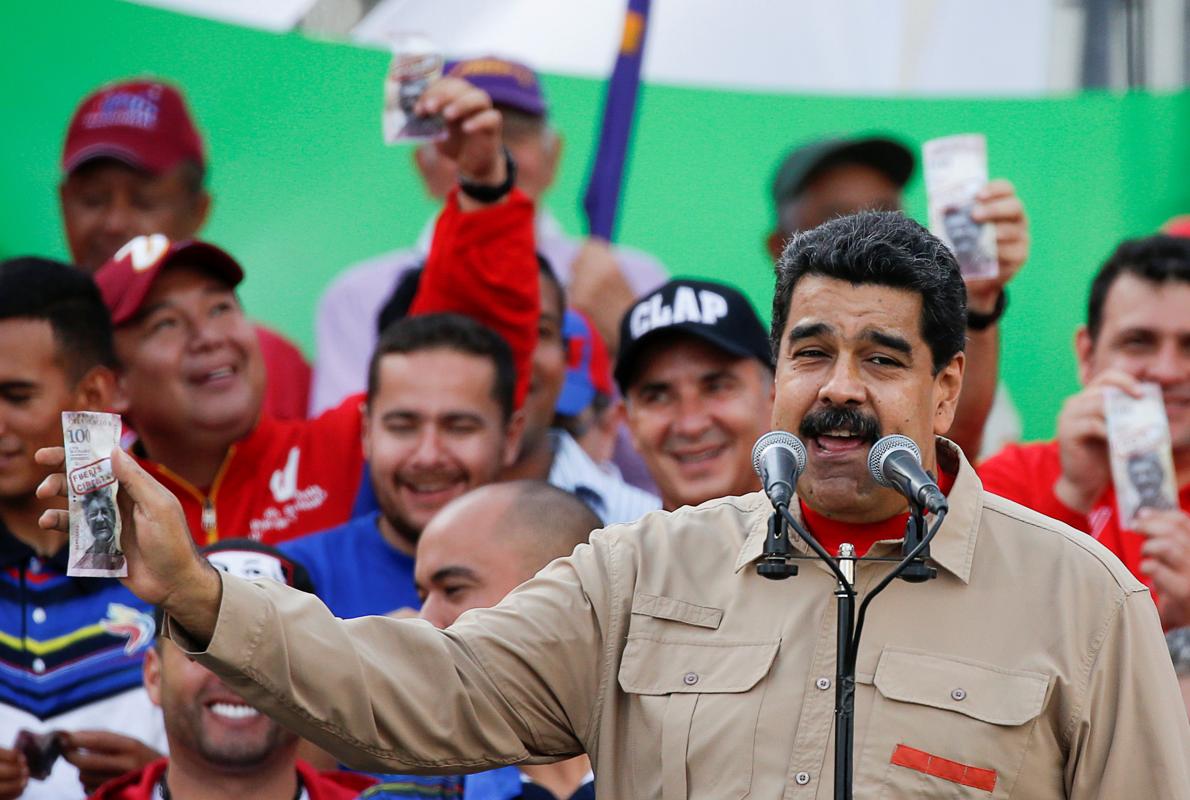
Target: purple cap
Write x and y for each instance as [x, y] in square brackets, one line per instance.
[508, 83]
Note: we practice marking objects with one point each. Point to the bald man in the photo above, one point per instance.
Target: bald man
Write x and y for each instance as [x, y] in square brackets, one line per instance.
[479, 548]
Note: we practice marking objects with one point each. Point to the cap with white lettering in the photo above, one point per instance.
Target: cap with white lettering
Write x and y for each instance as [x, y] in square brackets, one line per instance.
[713, 312]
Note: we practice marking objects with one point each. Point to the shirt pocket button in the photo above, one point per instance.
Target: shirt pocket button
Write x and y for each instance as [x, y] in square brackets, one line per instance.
[958, 695]
[690, 678]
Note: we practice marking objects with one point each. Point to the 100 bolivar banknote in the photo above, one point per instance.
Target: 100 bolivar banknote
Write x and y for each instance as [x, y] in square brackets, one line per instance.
[95, 550]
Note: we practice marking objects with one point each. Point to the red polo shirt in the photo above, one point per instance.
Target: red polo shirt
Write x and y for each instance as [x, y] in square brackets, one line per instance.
[285, 479]
[1026, 474]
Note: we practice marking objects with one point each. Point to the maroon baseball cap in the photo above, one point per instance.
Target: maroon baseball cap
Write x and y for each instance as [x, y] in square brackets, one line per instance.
[125, 280]
[508, 83]
[142, 123]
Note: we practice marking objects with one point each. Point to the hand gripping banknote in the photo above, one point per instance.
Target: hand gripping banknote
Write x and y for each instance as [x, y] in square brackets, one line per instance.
[95, 550]
[1141, 455]
[956, 168]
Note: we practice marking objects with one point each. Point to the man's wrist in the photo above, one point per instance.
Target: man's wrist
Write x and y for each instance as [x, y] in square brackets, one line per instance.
[979, 320]
[195, 606]
[495, 184]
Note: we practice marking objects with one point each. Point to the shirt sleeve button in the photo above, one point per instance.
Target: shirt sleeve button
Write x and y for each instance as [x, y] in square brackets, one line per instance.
[958, 694]
[690, 678]
[802, 778]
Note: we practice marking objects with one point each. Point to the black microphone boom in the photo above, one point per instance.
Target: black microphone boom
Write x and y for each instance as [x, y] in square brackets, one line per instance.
[779, 458]
[895, 462]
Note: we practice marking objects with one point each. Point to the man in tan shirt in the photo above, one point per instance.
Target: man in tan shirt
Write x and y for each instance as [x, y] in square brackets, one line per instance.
[1032, 667]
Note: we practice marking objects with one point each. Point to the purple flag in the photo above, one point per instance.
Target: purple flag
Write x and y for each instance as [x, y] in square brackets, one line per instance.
[619, 108]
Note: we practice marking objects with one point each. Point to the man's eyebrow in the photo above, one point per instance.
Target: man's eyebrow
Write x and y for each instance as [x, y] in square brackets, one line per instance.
[17, 386]
[809, 330]
[454, 571]
[889, 340]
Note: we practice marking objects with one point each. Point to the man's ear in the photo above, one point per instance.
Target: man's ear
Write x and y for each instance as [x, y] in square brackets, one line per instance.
[151, 672]
[947, 385]
[1084, 347]
[774, 243]
[97, 390]
[513, 432]
[200, 211]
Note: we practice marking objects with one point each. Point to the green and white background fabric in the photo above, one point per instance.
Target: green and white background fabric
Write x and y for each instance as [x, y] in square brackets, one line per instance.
[303, 185]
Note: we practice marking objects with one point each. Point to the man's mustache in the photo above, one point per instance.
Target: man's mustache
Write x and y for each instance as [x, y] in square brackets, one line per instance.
[839, 418]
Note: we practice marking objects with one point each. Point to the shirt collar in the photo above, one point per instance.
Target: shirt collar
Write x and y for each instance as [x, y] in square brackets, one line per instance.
[14, 552]
[953, 549]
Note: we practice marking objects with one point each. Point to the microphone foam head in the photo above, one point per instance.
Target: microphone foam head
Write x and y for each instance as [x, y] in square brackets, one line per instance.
[781, 439]
[881, 450]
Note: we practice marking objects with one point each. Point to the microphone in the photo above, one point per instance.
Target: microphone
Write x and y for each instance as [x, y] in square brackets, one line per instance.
[779, 458]
[895, 462]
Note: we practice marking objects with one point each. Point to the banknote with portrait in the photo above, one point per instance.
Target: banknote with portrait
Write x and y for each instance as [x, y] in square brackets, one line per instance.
[1141, 455]
[90, 437]
[956, 168]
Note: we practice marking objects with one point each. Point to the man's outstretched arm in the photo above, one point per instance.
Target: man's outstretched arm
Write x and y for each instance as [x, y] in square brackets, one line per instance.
[502, 685]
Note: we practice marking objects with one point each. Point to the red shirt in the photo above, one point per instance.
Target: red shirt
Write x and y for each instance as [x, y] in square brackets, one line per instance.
[1026, 474]
[287, 385]
[483, 264]
[285, 479]
[141, 784]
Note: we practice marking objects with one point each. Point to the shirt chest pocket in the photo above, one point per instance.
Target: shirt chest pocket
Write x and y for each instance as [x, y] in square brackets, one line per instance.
[693, 697]
[941, 726]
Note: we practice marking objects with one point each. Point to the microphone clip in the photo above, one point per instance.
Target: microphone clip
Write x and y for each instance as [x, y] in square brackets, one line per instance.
[917, 570]
[775, 562]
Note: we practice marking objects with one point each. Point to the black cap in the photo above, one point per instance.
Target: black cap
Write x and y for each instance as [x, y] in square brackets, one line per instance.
[711, 311]
[806, 162]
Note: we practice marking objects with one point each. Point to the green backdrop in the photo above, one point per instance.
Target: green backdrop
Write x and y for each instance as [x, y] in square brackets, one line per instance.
[303, 184]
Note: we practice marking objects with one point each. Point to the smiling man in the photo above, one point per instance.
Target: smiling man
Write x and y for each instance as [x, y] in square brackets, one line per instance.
[438, 422]
[192, 385]
[697, 374]
[1137, 331]
[219, 746]
[1032, 666]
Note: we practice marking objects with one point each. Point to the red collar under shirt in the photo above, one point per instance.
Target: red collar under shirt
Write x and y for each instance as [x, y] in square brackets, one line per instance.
[831, 533]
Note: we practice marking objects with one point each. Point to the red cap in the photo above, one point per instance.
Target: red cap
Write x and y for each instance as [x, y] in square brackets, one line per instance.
[125, 281]
[145, 124]
[1178, 226]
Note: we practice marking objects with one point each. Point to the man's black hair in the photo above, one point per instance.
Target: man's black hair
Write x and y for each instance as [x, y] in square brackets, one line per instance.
[449, 332]
[885, 248]
[401, 300]
[1158, 259]
[65, 297]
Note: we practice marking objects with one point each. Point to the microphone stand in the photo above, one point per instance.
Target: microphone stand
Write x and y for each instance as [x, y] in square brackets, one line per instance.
[775, 565]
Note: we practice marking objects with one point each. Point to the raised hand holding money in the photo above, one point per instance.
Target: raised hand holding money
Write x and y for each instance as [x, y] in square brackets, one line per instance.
[164, 567]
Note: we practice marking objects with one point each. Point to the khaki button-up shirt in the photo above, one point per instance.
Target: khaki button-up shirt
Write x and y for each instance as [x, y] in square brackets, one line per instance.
[1033, 666]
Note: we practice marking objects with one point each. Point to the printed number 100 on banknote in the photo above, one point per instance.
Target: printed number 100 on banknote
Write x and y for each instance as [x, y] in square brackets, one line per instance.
[95, 550]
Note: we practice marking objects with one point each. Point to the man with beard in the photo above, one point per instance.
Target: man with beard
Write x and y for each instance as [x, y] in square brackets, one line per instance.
[1137, 331]
[220, 746]
[438, 422]
[661, 652]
